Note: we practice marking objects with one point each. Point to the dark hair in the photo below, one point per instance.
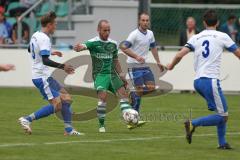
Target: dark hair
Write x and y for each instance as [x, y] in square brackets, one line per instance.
[48, 18]
[210, 17]
[102, 21]
[142, 13]
[230, 17]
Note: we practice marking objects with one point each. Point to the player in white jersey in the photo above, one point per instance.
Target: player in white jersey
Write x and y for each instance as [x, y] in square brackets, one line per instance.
[136, 47]
[208, 47]
[51, 90]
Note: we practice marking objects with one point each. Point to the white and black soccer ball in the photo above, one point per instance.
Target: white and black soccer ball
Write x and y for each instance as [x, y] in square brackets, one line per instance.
[131, 116]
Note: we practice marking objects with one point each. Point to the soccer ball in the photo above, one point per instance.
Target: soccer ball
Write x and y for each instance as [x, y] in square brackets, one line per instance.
[130, 116]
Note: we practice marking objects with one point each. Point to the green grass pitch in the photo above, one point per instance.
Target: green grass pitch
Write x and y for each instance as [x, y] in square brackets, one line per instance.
[161, 138]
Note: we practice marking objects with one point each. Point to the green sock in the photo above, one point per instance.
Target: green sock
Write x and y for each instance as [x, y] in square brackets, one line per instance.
[101, 121]
[124, 104]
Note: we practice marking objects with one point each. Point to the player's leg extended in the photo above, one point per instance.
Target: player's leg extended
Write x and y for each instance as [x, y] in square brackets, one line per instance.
[101, 84]
[48, 94]
[136, 76]
[212, 93]
[149, 81]
[67, 113]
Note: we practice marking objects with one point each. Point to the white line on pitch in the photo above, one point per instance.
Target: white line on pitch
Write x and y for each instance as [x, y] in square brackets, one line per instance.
[106, 140]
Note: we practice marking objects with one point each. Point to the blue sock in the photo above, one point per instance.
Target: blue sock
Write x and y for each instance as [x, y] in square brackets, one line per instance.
[221, 129]
[211, 120]
[67, 116]
[43, 112]
[136, 101]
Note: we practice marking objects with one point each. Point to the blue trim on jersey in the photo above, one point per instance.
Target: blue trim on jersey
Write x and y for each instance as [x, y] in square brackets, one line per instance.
[145, 33]
[190, 46]
[232, 48]
[126, 44]
[45, 53]
[153, 45]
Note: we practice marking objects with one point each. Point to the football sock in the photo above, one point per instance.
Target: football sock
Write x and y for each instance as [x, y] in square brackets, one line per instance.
[124, 104]
[101, 112]
[221, 130]
[211, 120]
[43, 112]
[136, 101]
[67, 116]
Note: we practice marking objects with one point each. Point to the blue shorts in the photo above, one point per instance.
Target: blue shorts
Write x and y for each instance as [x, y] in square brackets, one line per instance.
[139, 76]
[49, 88]
[211, 91]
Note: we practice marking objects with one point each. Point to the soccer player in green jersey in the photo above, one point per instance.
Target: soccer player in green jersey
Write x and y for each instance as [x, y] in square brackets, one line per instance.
[107, 72]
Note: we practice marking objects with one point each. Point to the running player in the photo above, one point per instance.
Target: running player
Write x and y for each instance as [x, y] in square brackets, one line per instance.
[208, 47]
[136, 47]
[51, 90]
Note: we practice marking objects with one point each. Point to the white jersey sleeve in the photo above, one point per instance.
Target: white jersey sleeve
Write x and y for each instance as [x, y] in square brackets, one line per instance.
[44, 46]
[228, 43]
[191, 43]
[131, 38]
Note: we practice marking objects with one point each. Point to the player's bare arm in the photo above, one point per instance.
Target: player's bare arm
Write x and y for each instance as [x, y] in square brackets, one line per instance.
[237, 53]
[6, 67]
[118, 68]
[157, 59]
[79, 47]
[178, 57]
[130, 53]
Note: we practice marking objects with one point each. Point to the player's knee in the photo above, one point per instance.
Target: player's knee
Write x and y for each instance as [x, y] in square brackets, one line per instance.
[66, 98]
[102, 103]
[150, 87]
[58, 107]
[225, 118]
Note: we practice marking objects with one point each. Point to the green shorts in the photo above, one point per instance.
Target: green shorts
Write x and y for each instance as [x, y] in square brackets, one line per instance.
[108, 82]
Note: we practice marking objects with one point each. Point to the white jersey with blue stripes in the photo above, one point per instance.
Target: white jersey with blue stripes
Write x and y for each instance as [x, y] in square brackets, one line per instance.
[208, 47]
[40, 45]
[139, 43]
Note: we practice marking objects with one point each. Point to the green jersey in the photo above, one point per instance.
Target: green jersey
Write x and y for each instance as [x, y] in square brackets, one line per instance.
[103, 54]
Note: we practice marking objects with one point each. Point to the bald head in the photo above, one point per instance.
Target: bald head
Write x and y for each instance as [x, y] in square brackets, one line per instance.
[104, 29]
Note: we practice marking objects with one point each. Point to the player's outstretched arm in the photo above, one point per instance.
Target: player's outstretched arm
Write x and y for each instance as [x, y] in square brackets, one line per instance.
[157, 59]
[48, 62]
[79, 47]
[237, 53]
[125, 48]
[6, 67]
[178, 57]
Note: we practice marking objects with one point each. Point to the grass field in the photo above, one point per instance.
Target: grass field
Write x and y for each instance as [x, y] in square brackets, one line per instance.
[162, 138]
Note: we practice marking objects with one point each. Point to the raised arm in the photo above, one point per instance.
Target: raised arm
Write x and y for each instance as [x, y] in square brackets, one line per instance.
[178, 57]
[6, 67]
[237, 53]
[79, 47]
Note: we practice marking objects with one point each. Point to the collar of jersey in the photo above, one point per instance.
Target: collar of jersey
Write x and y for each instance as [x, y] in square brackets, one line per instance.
[98, 38]
[145, 33]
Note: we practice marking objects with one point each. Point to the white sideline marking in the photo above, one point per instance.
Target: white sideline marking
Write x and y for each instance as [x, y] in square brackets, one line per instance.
[106, 140]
